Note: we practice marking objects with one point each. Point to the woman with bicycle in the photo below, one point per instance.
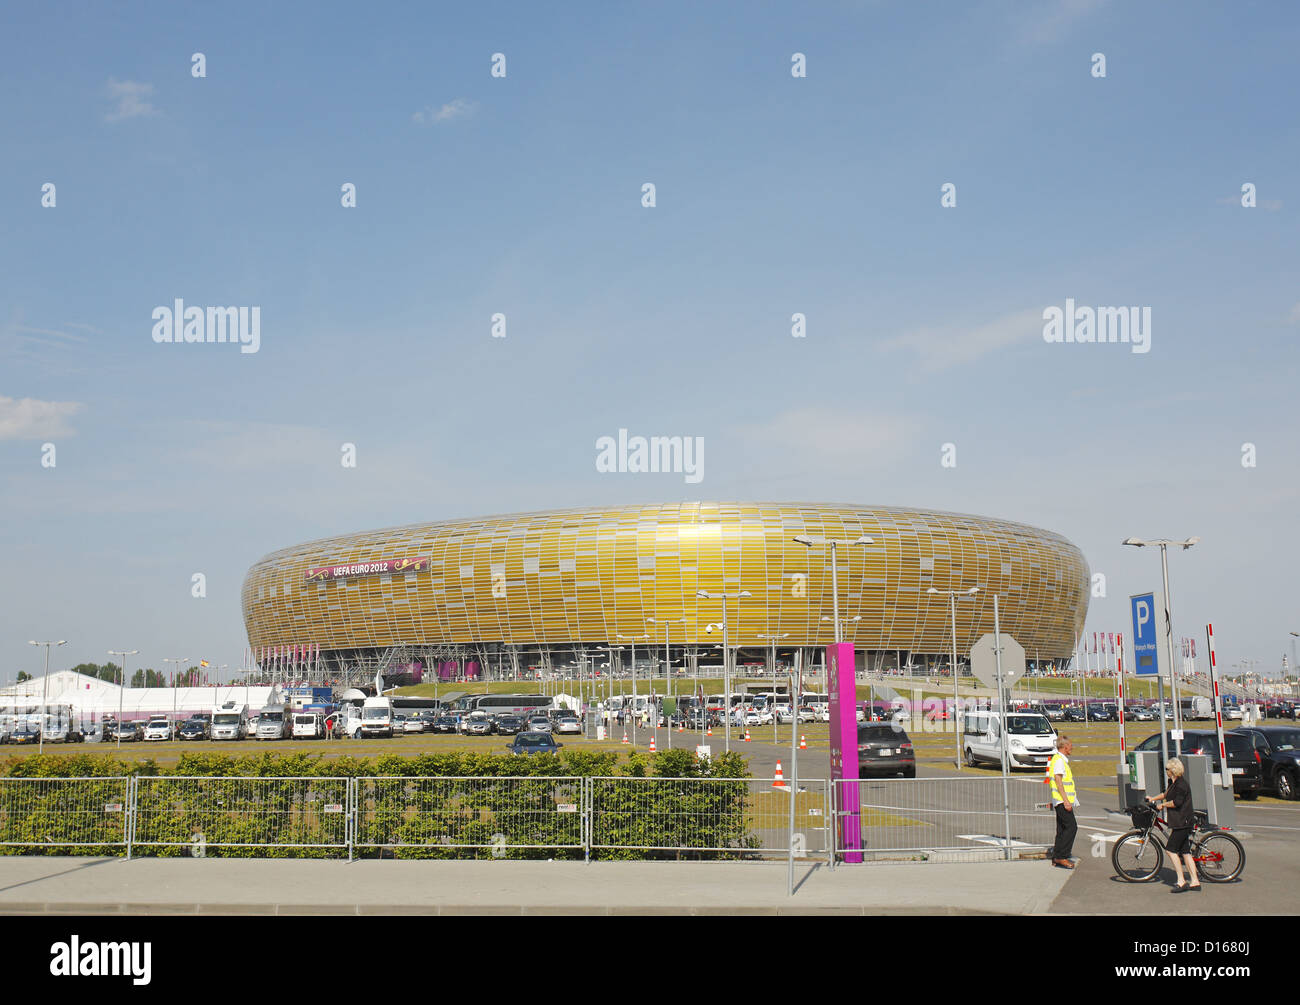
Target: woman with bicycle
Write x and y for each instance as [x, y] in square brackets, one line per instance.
[1178, 800]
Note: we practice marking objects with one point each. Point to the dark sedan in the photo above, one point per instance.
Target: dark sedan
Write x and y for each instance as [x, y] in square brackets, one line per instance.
[1277, 748]
[534, 743]
[25, 733]
[194, 729]
[509, 725]
[884, 751]
[1242, 762]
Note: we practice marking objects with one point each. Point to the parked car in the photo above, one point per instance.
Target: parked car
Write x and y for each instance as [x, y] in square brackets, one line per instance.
[412, 724]
[568, 723]
[1054, 711]
[884, 751]
[194, 729]
[1075, 714]
[1277, 748]
[807, 713]
[1138, 712]
[534, 743]
[158, 728]
[509, 725]
[24, 733]
[127, 732]
[539, 724]
[1243, 765]
[476, 724]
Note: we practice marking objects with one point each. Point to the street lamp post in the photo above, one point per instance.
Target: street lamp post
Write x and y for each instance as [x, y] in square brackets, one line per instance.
[121, 688]
[634, 639]
[668, 666]
[956, 700]
[772, 639]
[810, 542]
[45, 687]
[1164, 544]
[178, 661]
[726, 662]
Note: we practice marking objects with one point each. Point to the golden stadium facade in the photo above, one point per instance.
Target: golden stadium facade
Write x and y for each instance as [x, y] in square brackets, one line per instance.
[546, 584]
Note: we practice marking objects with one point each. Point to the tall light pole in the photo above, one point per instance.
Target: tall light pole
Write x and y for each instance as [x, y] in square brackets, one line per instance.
[121, 688]
[811, 542]
[1137, 542]
[952, 596]
[178, 661]
[772, 639]
[45, 687]
[634, 639]
[726, 663]
[668, 665]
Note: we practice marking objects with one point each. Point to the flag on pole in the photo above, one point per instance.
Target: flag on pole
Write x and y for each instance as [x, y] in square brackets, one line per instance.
[203, 663]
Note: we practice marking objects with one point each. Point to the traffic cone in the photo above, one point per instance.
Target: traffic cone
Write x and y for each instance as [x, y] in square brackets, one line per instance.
[709, 731]
[803, 744]
[779, 781]
[625, 740]
[652, 743]
[746, 736]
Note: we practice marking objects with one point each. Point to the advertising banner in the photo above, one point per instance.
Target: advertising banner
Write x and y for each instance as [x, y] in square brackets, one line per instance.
[842, 696]
[388, 565]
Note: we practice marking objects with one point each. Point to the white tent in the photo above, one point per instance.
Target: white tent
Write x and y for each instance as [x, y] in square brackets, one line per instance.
[92, 699]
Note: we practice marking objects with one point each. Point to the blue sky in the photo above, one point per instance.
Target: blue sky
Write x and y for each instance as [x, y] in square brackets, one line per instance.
[522, 195]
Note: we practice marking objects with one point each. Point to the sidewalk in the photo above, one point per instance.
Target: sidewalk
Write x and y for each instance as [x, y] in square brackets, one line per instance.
[82, 886]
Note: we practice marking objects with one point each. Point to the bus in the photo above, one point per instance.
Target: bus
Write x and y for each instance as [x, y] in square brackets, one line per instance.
[511, 704]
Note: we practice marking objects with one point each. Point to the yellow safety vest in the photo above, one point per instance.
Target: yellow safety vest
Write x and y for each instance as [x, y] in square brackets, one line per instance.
[1060, 765]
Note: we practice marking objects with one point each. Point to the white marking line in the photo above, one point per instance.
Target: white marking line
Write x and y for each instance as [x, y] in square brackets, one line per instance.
[1000, 842]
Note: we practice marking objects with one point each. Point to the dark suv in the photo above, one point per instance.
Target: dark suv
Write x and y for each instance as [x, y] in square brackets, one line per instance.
[1278, 751]
[1242, 762]
[884, 751]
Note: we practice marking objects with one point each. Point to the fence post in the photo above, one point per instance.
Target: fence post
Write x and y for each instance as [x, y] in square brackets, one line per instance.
[129, 822]
[349, 818]
[826, 820]
[587, 799]
[833, 814]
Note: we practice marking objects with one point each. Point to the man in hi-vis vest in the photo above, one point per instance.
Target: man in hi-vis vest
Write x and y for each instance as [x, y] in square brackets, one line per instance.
[1064, 802]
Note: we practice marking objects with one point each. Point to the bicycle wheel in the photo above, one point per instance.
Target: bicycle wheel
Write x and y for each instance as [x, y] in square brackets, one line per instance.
[1219, 857]
[1137, 857]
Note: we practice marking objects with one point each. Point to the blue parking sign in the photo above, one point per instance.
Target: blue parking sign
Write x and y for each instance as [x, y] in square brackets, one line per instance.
[1146, 613]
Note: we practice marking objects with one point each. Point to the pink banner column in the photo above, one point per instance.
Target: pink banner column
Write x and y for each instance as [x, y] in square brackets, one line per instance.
[843, 700]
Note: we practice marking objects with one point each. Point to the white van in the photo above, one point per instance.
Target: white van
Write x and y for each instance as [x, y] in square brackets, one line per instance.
[1031, 740]
[308, 725]
[230, 721]
[376, 717]
[273, 723]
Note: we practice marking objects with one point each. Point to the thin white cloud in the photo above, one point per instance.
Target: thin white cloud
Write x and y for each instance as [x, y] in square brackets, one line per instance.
[939, 348]
[460, 108]
[1272, 205]
[128, 98]
[1045, 23]
[1294, 317]
[31, 419]
[827, 434]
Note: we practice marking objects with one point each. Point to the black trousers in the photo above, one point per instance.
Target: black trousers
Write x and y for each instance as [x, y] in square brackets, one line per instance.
[1066, 828]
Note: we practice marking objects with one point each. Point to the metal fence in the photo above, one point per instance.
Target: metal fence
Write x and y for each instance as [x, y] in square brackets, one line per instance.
[527, 817]
[744, 817]
[925, 818]
[63, 813]
[201, 812]
[449, 817]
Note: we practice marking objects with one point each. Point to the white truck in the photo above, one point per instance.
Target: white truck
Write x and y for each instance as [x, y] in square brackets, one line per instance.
[230, 721]
[376, 717]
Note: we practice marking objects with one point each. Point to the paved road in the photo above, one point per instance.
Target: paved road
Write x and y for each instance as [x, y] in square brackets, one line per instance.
[48, 885]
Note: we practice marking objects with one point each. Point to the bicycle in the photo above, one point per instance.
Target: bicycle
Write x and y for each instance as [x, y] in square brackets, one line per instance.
[1139, 854]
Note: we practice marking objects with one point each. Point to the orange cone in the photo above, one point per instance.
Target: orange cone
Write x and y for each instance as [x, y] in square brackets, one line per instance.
[625, 740]
[746, 736]
[652, 743]
[779, 781]
[709, 732]
[803, 744]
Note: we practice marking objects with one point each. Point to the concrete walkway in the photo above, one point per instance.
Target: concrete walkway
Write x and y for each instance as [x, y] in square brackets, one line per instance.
[86, 886]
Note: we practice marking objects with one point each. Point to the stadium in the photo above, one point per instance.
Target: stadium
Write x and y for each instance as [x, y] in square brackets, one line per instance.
[532, 592]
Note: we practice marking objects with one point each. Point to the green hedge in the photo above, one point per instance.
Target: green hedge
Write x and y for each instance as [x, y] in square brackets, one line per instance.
[409, 807]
